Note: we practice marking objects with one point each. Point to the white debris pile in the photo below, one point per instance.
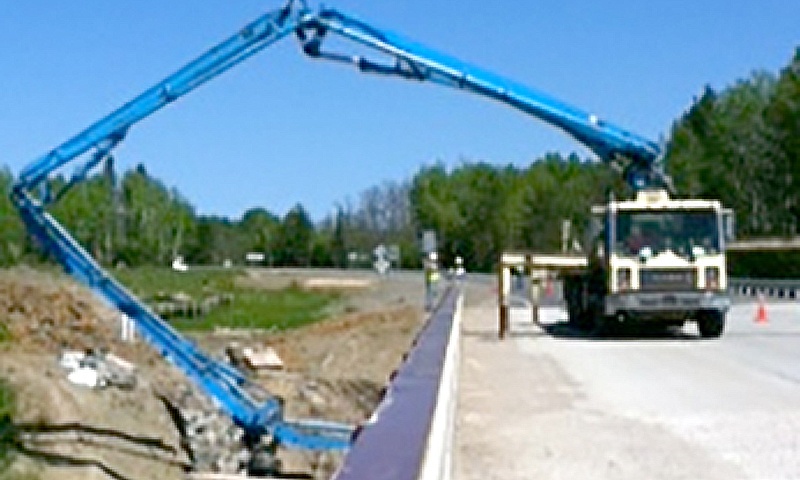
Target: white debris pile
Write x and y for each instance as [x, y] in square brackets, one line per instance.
[214, 443]
[264, 358]
[95, 369]
[256, 359]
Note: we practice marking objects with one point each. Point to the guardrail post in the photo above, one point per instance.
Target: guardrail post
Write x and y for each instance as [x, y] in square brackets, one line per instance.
[503, 294]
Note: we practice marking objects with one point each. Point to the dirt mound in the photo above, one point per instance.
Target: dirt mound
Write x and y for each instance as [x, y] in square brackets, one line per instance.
[68, 432]
[334, 370]
[41, 310]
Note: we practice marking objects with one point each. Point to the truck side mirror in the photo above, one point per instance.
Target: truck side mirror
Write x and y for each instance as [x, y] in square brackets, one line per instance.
[728, 225]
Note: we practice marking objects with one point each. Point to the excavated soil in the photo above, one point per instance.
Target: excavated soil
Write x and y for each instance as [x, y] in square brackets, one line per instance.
[335, 370]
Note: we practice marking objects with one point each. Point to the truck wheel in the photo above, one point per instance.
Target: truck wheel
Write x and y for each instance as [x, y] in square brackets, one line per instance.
[572, 295]
[575, 316]
[605, 326]
[599, 327]
[711, 324]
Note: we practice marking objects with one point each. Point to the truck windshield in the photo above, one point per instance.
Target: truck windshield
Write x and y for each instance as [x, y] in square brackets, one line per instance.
[689, 233]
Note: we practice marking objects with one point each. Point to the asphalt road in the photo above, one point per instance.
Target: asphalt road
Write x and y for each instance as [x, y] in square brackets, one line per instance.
[551, 403]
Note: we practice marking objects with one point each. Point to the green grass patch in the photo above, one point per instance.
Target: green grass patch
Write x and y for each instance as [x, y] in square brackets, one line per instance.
[250, 307]
[273, 310]
[147, 282]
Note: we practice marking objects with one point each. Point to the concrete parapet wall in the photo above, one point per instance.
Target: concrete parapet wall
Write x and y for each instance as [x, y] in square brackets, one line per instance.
[410, 435]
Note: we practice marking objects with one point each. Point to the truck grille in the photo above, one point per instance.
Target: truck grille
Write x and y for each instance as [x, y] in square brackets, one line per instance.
[668, 279]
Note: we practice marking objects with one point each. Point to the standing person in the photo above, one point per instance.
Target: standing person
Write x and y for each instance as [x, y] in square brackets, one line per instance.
[431, 279]
[461, 271]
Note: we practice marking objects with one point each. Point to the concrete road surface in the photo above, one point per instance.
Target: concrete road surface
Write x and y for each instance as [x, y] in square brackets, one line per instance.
[550, 403]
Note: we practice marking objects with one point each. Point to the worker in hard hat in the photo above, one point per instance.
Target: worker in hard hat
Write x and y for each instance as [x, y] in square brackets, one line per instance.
[431, 266]
[460, 270]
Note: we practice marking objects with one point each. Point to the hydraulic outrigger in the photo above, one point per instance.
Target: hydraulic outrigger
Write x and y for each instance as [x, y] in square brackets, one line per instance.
[640, 160]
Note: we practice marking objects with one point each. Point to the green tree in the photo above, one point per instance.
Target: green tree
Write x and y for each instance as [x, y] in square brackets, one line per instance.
[261, 230]
[724, 147]
[339, 239]
[783, 113]
[690, 153]
[479, 192]
[297, 234]
[13, 239]
[558, 189]
[157, 221]
[383, 217]
[217, 241]
[433, 202]
[86, 211]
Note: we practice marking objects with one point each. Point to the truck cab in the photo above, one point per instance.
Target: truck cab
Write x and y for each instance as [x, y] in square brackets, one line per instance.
[654, 260]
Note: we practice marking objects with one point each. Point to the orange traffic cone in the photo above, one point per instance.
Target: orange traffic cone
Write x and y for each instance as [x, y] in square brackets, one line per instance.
[761, 313]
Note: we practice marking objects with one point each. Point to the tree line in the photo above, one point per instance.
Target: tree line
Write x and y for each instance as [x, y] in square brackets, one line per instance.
[740, 144]
[134, 219]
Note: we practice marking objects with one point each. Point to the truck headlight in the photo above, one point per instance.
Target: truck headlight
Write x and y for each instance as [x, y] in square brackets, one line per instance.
[712, 278]
[623, 279]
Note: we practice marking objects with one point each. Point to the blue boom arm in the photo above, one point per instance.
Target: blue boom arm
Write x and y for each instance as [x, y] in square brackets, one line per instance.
[229, 388]
[639, 159]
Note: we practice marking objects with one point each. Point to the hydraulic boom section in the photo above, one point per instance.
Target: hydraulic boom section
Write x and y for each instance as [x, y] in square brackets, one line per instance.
[249, 40]
[228, 387]
[639, 158]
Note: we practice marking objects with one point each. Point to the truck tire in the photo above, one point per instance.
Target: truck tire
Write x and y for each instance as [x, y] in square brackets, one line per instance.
[577, 316]
[600, 327]
[604, 326]
[711, 324]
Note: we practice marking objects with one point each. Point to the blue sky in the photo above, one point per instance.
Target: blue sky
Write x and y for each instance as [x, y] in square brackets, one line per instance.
[282, 129]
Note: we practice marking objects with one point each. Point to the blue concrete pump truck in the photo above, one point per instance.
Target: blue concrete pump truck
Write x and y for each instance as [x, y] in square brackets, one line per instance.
[674, 277]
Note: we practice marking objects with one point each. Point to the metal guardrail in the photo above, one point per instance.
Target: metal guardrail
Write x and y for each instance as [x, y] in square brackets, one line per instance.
[409, 437]
[764, 244]
[788, 289]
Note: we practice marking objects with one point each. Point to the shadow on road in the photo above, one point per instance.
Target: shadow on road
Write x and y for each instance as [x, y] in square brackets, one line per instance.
[620, 332]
